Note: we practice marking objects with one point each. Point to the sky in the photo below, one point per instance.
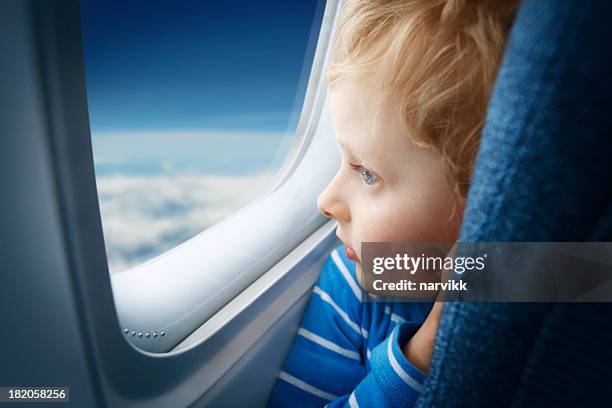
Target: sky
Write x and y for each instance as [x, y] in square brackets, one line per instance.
[193, 64]
[193, 105]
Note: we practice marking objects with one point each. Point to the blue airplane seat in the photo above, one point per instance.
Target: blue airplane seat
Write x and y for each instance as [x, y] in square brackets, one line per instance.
[543, 173]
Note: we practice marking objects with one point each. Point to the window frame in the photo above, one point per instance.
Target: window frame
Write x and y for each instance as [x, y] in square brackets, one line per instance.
[181, 291]
[182, 376]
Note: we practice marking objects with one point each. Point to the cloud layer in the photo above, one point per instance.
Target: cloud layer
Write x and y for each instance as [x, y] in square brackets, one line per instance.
[144, 216]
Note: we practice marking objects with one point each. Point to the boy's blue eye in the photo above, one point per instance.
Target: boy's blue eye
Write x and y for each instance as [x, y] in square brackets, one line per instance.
[368, 177]
[366, 174]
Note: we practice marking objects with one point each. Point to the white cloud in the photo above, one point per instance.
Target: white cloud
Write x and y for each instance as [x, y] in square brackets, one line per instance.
[143, 216]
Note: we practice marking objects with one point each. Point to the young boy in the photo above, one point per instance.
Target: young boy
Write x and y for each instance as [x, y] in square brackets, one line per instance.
[409, 86]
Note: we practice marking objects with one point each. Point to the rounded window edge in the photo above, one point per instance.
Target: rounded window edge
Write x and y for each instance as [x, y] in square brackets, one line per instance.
[139, 308]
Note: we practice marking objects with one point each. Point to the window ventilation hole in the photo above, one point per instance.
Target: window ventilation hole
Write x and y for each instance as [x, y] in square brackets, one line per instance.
[147, 335]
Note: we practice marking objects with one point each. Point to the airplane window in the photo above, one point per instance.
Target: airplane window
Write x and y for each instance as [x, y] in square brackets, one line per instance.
[193, 108]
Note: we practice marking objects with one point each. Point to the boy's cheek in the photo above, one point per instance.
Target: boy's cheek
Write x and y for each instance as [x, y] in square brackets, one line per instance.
[420, 228]
[389, 229]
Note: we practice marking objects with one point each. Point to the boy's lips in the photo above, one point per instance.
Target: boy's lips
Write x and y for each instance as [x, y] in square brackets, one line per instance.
[348, 250]
[351, 254]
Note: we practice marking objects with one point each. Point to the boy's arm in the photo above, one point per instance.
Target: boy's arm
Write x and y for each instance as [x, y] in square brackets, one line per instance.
[419, 348]
[393, 381]
[398, 366]
[326, 364]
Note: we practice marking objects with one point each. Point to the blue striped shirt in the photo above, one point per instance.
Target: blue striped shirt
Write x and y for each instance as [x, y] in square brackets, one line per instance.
[348, 349]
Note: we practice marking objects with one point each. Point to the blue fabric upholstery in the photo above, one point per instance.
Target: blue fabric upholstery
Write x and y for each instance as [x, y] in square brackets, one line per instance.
[542, 174]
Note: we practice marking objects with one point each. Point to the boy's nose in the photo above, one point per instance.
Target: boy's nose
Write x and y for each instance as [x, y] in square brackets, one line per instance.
[332, 206]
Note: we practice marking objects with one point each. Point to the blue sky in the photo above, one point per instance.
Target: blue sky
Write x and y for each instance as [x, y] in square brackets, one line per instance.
[193, 64]
[192, 107]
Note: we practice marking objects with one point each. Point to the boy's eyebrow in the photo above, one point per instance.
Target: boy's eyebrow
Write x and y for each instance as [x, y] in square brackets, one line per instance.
[347, 148]
[363, 155]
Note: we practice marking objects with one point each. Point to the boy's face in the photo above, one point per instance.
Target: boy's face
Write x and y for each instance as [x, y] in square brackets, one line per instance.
[387, 189]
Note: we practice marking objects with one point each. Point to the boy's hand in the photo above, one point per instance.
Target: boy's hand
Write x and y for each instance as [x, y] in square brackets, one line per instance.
[419, 348]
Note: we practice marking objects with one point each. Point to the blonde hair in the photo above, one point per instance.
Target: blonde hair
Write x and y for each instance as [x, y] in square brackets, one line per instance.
[439, 56]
